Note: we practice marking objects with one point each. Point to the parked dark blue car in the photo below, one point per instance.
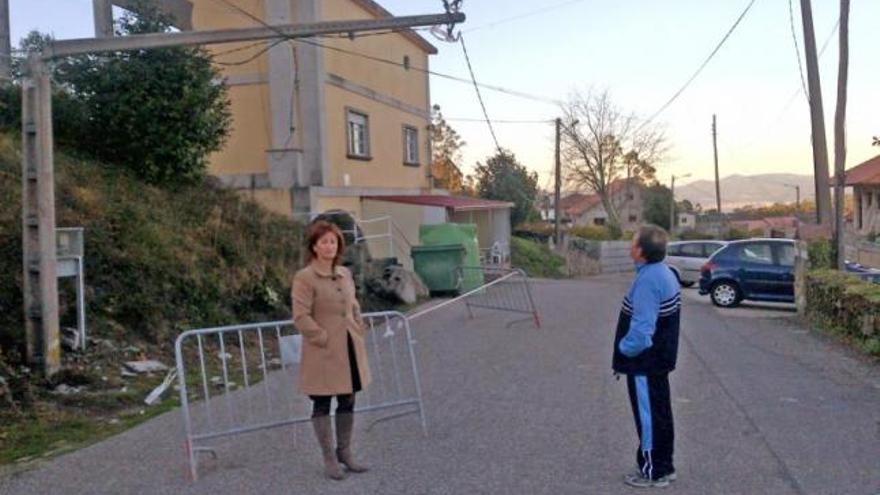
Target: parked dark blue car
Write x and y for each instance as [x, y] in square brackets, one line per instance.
[753, 269]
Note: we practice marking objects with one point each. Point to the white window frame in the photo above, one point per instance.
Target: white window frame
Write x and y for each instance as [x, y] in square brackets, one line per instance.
[410, 147]
[357, 143]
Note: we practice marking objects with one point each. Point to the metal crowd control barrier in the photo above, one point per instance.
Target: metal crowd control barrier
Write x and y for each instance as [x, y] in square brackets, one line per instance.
[243, 378]
[503, 289]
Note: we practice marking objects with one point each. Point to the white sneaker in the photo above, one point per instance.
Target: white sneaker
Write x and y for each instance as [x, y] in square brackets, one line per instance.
[639, 481]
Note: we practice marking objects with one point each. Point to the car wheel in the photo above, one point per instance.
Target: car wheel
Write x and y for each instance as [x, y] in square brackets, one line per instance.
[725, 294]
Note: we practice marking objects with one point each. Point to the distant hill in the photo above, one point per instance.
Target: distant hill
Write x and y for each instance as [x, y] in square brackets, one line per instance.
[741, 190]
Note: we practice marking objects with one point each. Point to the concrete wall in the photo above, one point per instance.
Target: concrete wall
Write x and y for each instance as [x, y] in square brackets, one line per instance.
[610, 256]
[868, 214]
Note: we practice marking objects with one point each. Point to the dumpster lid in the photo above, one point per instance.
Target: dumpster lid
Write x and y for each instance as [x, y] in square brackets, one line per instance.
[438, 247]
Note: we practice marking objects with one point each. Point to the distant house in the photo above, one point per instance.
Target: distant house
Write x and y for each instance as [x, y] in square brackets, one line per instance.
[786, 227]
[865, 181]
[587, 209]
[686, 221]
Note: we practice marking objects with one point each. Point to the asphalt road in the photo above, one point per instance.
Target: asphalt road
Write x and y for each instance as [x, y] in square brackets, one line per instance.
[761, 406]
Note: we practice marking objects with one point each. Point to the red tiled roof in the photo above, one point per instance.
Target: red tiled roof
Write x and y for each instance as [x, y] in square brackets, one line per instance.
[456, 203]
[772, 222]
[783, 222]
[576, 204]
[865, 173]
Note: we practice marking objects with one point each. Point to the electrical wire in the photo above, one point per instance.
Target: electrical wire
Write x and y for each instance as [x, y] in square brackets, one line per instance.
[479, 95]
[797, 49]
[702, 66]
[252, 57]
[494, 121]
[498, 89]
[523, 16]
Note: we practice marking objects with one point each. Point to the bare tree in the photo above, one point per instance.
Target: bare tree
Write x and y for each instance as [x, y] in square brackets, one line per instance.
[602, 145]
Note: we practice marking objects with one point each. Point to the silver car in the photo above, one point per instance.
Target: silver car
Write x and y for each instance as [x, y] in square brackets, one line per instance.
[685, 258]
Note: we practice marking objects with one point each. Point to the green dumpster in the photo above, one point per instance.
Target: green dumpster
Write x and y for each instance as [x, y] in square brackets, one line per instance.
[438, 266]
[464, 234]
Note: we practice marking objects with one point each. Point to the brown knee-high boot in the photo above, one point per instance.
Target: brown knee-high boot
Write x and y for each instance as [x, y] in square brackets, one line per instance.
[324, 434]
[344, 429]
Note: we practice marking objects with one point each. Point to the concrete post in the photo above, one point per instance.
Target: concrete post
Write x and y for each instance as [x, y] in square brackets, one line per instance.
[38, 221]
[283, 160]
[103, 14]
[5, 41]
[801, 266]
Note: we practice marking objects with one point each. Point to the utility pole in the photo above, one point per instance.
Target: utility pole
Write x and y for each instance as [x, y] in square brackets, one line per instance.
[717, 179]
[840, 136]
[5, 43]
[40, 282]
[558, 186]
[820, 146]
[38, 180]
[797, 190]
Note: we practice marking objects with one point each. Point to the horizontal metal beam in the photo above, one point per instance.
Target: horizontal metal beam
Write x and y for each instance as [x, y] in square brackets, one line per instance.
[65, 48]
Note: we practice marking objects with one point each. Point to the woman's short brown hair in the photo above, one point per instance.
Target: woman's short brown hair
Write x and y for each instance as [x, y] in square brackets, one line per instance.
[316, 231]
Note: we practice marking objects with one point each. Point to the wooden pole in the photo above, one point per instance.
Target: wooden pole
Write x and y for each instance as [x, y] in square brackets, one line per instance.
[817, 119]
[840, 137]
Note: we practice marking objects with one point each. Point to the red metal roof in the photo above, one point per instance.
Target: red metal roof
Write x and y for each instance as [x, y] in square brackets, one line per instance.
[864, 174]
[456, 203]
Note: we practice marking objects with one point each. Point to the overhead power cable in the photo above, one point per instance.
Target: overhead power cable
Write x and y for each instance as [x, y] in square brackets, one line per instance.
[308, 41]
[702, 66]
[467, 59]
[523, 16]
[797, 49]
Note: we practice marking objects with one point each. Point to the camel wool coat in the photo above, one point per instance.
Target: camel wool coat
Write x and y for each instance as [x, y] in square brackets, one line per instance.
[325, 312]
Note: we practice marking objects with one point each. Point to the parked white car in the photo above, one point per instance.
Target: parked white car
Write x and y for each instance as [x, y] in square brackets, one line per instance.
[685, 258]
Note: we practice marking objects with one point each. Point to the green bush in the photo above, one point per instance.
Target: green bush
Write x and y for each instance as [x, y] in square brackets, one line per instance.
[158, 113]
[536, 259]
[819, 252]
[593, 232]
[845, 304]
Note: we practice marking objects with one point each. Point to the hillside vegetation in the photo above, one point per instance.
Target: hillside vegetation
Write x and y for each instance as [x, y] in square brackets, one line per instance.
[158, 261]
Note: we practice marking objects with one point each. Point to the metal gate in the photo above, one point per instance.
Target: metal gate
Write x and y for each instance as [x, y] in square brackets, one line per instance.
[503, 289]
[243, 378]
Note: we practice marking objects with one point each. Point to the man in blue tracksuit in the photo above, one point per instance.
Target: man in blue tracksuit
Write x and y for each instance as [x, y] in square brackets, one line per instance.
[645, 350]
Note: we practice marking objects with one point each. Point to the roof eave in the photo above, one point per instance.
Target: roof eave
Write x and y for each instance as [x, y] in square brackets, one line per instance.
[380, 11]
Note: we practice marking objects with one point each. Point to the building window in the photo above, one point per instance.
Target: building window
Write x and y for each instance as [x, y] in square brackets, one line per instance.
[358, 135]
[598, 221]
[633, 218]
[869, 197]
[410, 145]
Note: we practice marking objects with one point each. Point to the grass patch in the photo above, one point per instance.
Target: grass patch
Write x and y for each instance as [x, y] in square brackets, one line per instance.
[536, 259]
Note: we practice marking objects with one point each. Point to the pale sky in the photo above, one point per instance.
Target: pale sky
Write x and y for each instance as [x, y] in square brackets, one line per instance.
[641, 51]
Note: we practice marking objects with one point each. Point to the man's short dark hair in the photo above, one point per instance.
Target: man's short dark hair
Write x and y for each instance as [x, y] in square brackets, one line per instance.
[652, 240]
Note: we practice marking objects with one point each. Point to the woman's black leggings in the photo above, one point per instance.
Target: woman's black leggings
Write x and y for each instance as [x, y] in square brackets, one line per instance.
[321, 404]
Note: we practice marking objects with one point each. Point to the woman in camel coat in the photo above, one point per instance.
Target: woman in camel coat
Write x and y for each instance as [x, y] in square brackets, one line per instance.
[334, 357]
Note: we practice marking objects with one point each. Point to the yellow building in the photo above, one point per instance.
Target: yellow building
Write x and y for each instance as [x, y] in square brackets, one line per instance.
[320, 124]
